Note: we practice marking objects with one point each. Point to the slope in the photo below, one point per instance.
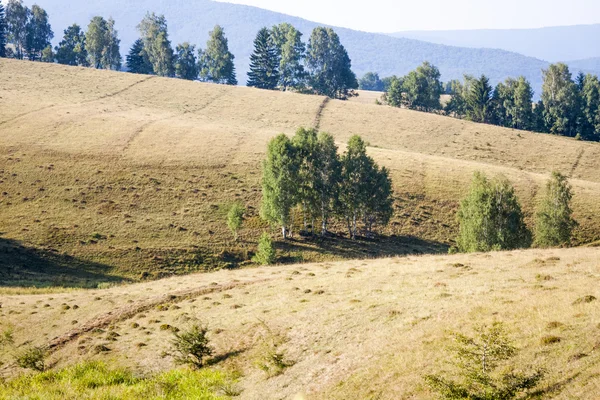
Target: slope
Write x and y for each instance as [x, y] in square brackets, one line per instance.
[106, 176]
[380, 326]
[191, 21]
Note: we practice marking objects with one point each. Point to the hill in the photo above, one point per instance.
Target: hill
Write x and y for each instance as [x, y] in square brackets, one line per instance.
[380, 327]
[192, 20]
[108, 176]
[558, 43]
[589, 64]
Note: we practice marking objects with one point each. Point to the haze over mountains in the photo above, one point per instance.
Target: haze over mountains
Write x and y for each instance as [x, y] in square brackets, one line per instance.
[559, 43]
[191, 21]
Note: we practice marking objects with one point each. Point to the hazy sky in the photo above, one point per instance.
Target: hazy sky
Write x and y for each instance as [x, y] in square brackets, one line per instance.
[400, 15]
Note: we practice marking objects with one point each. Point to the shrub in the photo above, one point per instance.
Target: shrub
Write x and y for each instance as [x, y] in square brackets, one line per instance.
[235, 218]
[265, 254]
[553, 221]
[32, 358]
[490, 217]
[479, 360]
[191, 346]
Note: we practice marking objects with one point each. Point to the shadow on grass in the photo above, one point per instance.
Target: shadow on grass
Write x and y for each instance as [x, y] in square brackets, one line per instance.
[22, 266]
[344, 248]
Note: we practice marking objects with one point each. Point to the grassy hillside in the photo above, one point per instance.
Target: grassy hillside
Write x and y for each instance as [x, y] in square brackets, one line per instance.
[107, 176]
[191, 21]
[380, 326]
[557, 43]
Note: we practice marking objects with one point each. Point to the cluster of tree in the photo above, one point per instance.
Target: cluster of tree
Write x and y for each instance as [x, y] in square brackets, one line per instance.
[567, 107]
[490, 216]
[306, 172]
[281, 60]
[27, 30]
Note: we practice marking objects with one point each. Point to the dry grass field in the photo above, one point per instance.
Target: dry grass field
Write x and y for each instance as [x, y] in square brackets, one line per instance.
[108, 176]
[347, 330]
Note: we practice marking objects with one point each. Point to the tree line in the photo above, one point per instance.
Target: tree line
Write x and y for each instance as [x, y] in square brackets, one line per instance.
[307, 174]
[568, 107]
[280, 60]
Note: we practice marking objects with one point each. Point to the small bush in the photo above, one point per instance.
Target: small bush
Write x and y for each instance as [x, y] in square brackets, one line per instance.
[191, 346]
[550, 339]
[235, 219]
[553, 221]
[32, 358]
[585, 300]
[265, 254]
[271, 358]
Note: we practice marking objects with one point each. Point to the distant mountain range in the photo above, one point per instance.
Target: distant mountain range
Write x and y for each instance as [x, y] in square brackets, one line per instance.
[559, 43]
[191, 21]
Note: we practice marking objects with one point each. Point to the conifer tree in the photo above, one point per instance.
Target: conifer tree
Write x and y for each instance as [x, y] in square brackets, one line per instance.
[3, 31]
[71, 50]
[186, 66]
[215, 63]
[554, 222]
[264, 62]
[478, 100]
[137, 59]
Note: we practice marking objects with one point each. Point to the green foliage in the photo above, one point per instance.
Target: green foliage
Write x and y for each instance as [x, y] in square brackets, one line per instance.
[422, 88]
[48, 55]
[370, 81]
[553, 221]
[235, 218]
[479, 100]
[327, 177]
[3, 31]
[265, 255]
[95, 380]
[329, 66]
[590, 107]
[191, 346]
[186, 66]
[137, 59]
[71, 50]
[479, 360]
[560, 98]
[291, 53]
[490, 217]
[394, 92]
[280, 182]
[38, 33]
[512, 103]
[215, 63]
[270, 357]
[264, 62]
[102, 44]
[154, 34]
[17, 16]
[33, 357]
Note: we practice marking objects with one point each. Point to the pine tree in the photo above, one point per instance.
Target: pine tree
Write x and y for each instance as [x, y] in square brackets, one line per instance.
[71, 50]
[329, 66]
[554, 222]
[38, 33]
[216, 62]
[280, 183]
[490, 217]
[17, 16]
[137, 59]
[186, 66]
[3, 32]
[154, 34]
[478, 100]
[264, 62]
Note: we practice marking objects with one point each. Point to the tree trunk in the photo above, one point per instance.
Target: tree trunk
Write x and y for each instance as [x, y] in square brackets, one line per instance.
[354, 226]
[284, 232]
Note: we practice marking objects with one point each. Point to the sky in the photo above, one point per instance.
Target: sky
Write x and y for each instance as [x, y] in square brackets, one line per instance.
[401, 15]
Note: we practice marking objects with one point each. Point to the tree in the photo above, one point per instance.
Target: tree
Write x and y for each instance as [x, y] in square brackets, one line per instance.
[291, 53]
[186, 66]
[71, 50]
[327, 177]
[154, 34]
[590, 108]
[265, 254]
[560, 98]
[137, 59]
[38, 33]
[280, 183]
[17, 16]
[394, 93]
[329, 66]
[478, 100]
[192, 346]
[264, 62]
[379, 202]
[3, 32]
[235, 218]
[102, 44]
[306, 144]
[422, 88]
[370, 81]
[479, 360]
[554, 222]
[216, 62]
[48, 55]
[490, 217]
[522, 111]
